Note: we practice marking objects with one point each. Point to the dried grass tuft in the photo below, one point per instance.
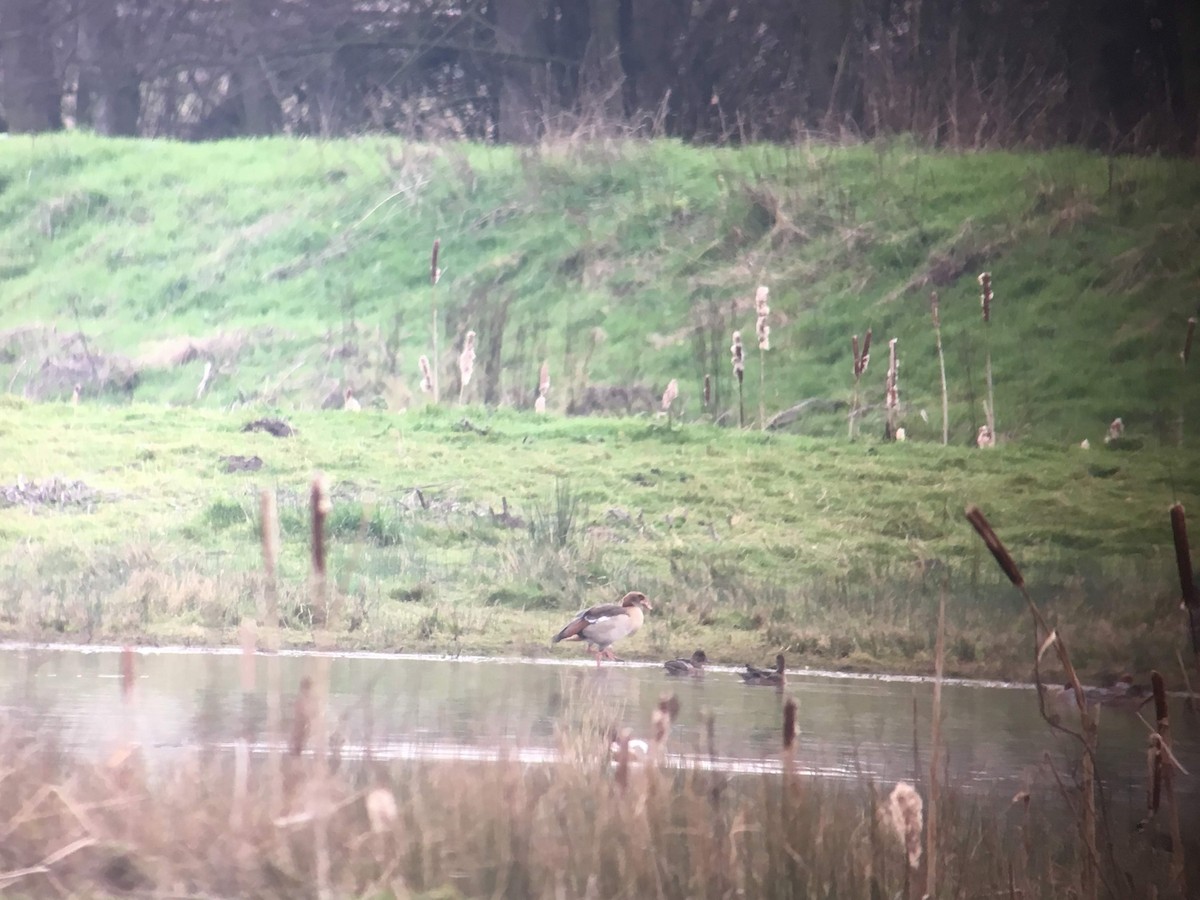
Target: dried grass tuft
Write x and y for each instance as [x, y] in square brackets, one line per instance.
[466, 364]
[426, 375]
[670, 395]
[904, 812]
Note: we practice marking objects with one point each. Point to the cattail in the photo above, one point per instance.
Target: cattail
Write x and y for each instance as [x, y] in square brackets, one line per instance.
[1183, 556]
[1187, 341]
[382, 812]
[904, 812]
[670, 394]
[321, 507]
[863, 359]
[934, 303]
[762, 310]
[707, 391]
[127, 674]
[466, 363]
[738, 356]
[426, 375]
[789, 723]
[984, 529]
[892, 400]
[985, 295]
[435, 274]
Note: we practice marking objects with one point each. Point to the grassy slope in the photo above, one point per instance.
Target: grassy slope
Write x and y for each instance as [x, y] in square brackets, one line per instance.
[315, 257]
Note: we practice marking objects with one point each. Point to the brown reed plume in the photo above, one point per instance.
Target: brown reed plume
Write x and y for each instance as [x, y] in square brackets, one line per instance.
[904, 812]
[466, 364]
[985, 300]
[934, 309]
[435, 275]
[762, 330]
[738, 360]
[539, 404]
[861, 360]
[892, 390]
[1087, 733]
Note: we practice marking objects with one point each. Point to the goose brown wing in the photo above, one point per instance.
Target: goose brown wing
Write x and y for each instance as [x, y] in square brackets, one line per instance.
[574, 628]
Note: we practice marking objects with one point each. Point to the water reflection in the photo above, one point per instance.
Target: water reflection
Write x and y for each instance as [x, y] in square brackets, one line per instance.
[406, 707]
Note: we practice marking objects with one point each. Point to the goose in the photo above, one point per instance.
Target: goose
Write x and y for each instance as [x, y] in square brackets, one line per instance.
[602, 626]
[770, 677]
[693, 665]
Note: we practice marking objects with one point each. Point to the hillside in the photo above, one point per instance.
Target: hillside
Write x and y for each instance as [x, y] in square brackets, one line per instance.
[299, 268]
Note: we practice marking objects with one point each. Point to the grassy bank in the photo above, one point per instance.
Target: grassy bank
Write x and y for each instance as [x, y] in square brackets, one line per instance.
[125, 524]
[299, 268]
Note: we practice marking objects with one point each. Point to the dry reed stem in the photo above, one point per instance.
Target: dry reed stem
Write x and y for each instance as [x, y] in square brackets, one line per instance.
[269, 539]
[861, 360]
[1162, 726]
[1183, 563]
[738, 361]
[1087, 734]
[892, 391]
[935, 742]
[985, 299]
[320, 508]
[466, 364]
[435, 275]
[763, 331]
[937, 331]
[707, 391]
[426, 375]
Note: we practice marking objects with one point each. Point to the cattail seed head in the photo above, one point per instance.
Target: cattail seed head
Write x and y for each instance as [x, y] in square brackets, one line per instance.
[738, 357]
[789, 723]
[426, 375]
[904, 811]
[934, 304]
[707, 391]
[985, 295]
[762, 310]
[1183, 557]
[1187, 341]
[670, 394]
[466, 359]
[435, 274]
[861, 358]
[984, 529]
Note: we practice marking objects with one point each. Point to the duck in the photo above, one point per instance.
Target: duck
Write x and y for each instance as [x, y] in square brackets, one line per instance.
[693, 665]
[771, 677]
[602, 626]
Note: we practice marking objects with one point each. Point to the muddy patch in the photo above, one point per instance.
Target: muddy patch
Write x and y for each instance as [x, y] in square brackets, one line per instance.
[59, 494]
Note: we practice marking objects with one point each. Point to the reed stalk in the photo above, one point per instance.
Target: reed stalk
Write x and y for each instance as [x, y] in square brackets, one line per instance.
[1087, 735]
[466, 365]
[318, 799]
[1164, 774]
[1187, 585]
[985, 300]
[937, 333]
[737, 356]
[668, 399]
[891, 400]
[435, 275]
[935, 751]
[862, 359]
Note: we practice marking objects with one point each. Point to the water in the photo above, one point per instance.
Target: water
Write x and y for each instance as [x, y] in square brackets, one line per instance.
[424, 707]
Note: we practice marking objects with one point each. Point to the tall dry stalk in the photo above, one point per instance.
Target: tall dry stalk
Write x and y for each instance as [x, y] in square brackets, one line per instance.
[892, 393]
[935, 751]
[985, 301]
[737, 359]
[466, 365]
[1044, 637]
[937, 333]
[1183, 356]
[762, 330]
[1187, 584]
[861, 360]
[435, 275]
[539, 405]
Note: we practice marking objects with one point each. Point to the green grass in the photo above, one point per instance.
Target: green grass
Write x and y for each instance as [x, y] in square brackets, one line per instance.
[746, 542]
[300, 266]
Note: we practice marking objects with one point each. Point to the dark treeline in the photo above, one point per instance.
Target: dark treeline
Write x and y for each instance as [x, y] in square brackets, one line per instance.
[1114, 74]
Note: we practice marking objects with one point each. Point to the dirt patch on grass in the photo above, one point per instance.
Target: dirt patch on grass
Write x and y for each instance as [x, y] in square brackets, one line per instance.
[50, 493]
[50, 363]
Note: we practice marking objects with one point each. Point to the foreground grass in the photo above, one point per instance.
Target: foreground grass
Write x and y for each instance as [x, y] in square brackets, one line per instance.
[748, 543]
[297, 820]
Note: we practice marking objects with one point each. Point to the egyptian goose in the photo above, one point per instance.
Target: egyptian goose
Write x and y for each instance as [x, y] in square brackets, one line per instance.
[603, 626]
[772, 677]
[687, 666]
[1124, 694]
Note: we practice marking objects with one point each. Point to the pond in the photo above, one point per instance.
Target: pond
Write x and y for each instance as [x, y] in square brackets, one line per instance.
[397, 706]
